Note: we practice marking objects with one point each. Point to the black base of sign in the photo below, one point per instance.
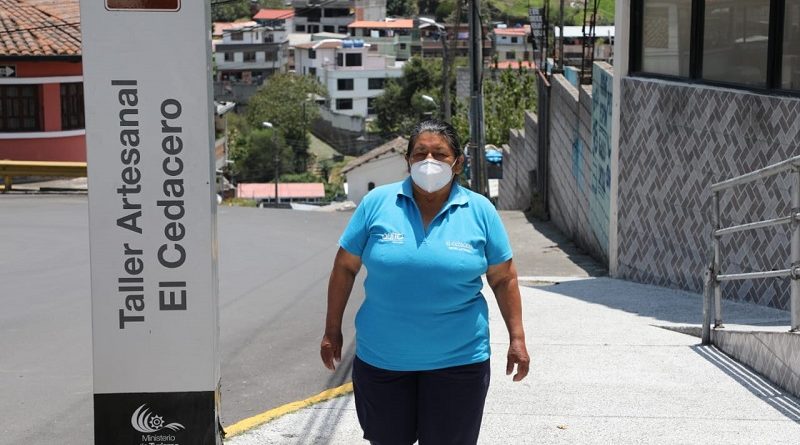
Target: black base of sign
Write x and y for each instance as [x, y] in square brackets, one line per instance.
[172, 418]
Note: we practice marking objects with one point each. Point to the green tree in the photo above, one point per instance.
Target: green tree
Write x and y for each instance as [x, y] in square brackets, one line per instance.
[254, 161]
[287, 101]
[402, 104]
[232, 10]
[401, 8]
[504, 103]
[229, 11]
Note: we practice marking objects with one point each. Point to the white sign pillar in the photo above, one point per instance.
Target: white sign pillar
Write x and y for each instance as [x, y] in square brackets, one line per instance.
[152, 220]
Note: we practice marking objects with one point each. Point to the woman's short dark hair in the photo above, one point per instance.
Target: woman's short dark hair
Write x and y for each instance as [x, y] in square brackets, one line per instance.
[435, 126]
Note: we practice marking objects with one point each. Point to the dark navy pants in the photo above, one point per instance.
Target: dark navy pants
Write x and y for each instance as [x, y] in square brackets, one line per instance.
[437, 407]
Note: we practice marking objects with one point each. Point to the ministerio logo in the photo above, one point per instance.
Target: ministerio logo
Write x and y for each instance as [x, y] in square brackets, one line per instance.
[143, 5]
[145, 421]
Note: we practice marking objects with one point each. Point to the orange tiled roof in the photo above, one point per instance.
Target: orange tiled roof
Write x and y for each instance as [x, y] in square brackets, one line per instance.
[40, 28]
[513, 64]
[274, 14]
[525, 30]
[389, 24]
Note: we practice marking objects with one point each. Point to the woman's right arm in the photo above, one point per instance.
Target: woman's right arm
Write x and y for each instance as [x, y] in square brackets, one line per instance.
[345, 268]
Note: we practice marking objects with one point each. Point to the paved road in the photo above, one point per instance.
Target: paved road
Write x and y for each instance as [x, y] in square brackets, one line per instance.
[273, 275]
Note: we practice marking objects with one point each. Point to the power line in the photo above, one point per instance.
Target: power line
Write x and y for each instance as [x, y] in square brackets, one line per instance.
[61, 25]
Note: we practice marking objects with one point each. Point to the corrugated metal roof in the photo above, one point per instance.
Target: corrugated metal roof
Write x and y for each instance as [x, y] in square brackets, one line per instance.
[286, 190]
[389, 24]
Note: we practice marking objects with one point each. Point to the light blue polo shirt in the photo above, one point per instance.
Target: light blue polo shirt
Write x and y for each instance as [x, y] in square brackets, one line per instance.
[423, 307]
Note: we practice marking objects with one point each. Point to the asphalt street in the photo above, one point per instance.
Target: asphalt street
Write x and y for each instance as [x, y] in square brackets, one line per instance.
[274, 266]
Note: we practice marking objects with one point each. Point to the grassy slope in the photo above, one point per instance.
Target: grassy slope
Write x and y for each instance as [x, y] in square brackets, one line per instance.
[519, 8]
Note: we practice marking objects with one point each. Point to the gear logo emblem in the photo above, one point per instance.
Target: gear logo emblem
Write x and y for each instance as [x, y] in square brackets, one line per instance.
[145, 421]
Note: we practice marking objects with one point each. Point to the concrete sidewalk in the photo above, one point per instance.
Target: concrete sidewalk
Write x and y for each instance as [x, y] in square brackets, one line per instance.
[605, 369]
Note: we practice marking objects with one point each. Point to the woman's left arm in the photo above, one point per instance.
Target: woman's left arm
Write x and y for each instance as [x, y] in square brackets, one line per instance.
[503, 281]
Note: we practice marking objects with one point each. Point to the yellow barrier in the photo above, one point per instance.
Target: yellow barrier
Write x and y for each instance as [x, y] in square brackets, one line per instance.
[10, 169]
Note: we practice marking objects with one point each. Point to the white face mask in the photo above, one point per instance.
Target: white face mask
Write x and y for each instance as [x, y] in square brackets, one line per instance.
[431, 175]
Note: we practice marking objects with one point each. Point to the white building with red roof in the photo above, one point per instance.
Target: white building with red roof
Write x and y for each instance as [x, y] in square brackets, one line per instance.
[41, 81]
[353, 73]
[511, 44]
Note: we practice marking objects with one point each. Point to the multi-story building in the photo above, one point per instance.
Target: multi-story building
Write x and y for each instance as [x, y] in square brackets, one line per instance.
[512, 43]
[246, 56]
[41, 82]
[353, 73]
[313, 16]
[391, 37]
[250, 54]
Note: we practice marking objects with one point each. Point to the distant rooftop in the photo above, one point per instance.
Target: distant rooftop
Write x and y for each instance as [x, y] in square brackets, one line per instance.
[286, 190]
[387, 24]
[396, 145]
[40, 28]
[274, 14]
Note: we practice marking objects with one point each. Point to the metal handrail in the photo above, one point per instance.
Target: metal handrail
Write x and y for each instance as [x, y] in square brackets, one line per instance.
[714, 277]
[771, 170]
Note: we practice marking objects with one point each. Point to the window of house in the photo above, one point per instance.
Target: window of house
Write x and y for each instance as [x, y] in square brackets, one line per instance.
[513, 40]
[310, 14]
[312, 71]
[344, 104]
[403, 46]
[344, 84]
[312, 54]
[790, 69]
[353, 59]
[300, 28]
[736, 35]
[249, 56]
[376, 83]
[371, 105]
[19, 108]
[328, 28]
[228, 56]
[237, 35]
[72, 117]
[339, 59]
[511, 55]
[270, 56]
[337, 12]
[342, 30]
[750, 43]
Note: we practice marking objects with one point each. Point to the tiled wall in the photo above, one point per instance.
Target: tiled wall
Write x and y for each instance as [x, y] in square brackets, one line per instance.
[676, 140]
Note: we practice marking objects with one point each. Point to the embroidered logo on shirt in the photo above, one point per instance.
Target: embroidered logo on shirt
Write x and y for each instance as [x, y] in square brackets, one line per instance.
[393, 238]
[458, 245]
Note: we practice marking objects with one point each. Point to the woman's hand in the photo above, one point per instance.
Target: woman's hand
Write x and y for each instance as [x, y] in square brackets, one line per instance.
[345, 269]
[518, 355]
[503, 281]
[331, 348]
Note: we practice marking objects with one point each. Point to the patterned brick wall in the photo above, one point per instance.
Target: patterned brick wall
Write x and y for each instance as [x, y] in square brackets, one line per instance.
[677, 139]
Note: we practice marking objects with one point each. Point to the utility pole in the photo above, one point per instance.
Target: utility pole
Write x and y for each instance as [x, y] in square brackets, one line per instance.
[477, 138]
[277, 159]
[561, 38]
